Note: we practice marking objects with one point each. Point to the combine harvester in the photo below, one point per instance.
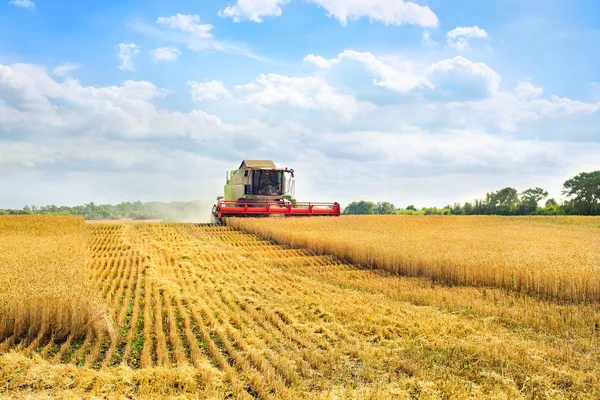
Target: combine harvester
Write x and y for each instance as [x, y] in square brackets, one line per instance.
[260, 189]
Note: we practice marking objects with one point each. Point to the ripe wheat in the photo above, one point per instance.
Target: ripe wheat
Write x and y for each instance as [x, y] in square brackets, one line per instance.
[557, 258]
[210, 312]
[44, 292]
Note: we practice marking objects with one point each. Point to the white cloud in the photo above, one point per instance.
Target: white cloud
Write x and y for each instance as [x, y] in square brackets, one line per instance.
[165, 54]
[213, 90]
[126, 52]
[34, 102]
[403, 77]
[451, 93]
[525, 90]
[458, 38]
[316, 60]
[453, 79]
[441, 132]
[187, 23]
[463, 77]
[26, 86]
[187, 31]
[395, 12]
[426, 152]
[426, 38]
[253, 10]
[23, 4]
[455, 92]
[554, 117]
[310, 93]
[65, 69]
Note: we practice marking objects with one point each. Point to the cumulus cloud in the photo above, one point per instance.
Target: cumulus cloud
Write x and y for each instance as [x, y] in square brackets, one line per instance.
[311, 93]
[187, 23]
[26, 86]
[508, 111]
[165, 54]
[213, 90]
[462, 78]
[452, 93]
[33, 101]
[402, 77]
[453, 79]
[388, 12]
[88, 139]
[455, 133]
[65, 69]
[23, 4]
[396, 12]
[458, 38]
[317, 60]
[125, 53]
[525, 90]
[253, 10]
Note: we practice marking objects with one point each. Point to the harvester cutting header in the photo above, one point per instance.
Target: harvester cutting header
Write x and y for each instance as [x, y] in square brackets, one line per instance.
[259, 189]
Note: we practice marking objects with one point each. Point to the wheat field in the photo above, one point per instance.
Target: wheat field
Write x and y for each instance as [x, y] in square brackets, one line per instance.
[548, 257]
[200, 311]
[44, 291]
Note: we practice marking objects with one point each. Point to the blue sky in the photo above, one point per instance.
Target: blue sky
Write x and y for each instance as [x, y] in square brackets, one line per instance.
[424, 102]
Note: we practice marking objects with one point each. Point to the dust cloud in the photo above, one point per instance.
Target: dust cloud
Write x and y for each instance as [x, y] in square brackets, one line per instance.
[198, 211]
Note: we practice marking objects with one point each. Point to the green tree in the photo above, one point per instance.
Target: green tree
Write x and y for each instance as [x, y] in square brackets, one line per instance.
[583, 190]
[468, 208]
[411, 208]
[534, 195]
[551, 208]
[530, 200]
[384, 207]
[457, 209]
[502, 202]
[360, 207]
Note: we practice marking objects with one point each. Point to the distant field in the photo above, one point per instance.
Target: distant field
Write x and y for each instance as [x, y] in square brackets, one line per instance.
[210, 312]
[549, 257]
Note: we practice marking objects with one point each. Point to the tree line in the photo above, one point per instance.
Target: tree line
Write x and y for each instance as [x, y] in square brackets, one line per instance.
[582, 192]
[582, 198]
[137, 210]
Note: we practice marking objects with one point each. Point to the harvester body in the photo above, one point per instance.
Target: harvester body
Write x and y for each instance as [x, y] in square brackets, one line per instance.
[258, 188]
[259, 180]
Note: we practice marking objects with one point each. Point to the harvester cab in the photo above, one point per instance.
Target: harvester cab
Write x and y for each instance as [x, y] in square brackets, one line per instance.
[258, 188]
[259, 180]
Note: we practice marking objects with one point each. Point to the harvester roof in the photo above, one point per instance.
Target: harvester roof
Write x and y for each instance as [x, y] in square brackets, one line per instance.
[257, 164]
